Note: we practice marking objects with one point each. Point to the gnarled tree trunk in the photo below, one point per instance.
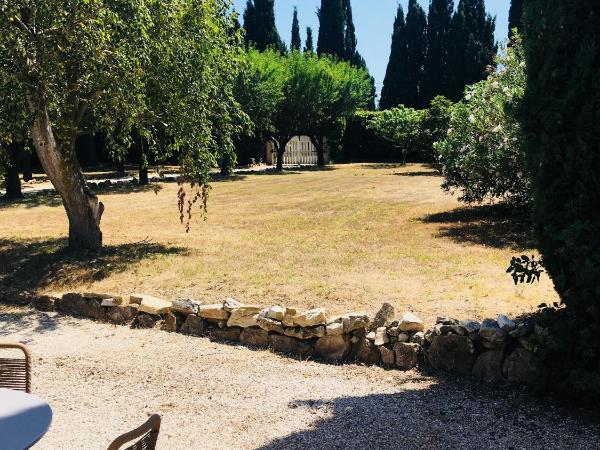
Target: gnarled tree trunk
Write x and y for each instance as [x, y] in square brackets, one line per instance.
[319, 144]
[84, 211]
[280, 145]
[13, 182]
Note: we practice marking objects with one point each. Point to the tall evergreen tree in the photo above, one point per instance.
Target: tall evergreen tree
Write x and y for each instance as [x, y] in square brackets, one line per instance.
[350, 42]
[416, 43]
[472, 46]
[296, 41]
[515, 15]
[309, 46]
[259, 23]
[396, 77]
[436, 61]
[331, 29]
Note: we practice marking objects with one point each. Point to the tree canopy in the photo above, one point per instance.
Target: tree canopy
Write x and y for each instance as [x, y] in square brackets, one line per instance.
[259, 23]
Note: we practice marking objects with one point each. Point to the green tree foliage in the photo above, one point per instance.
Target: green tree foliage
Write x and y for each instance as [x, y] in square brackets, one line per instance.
[91, 65]
[515, 15]
[296, 42]
[395, 83]
[436, 61]
[416, 42]
[331, 39]
[309, 46]
[482, 154]
[434, 128]
[259, 23]
[561, 117]
[472, 46]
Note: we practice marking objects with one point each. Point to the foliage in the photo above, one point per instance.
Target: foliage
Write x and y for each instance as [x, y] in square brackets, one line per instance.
[561, 122]
[296, 41]
[482, 154]
[331, 29]
[434, 128]
[259, 23]
[416, 43]
[309, 46]
[436, 60]
[395, 83]
[524, 269]
[515, 15]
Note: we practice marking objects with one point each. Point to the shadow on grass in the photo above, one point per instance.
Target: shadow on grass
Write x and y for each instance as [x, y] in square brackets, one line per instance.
[39, 264]
[49, 197]
[495, 226]
[419, 173]
[445, 414]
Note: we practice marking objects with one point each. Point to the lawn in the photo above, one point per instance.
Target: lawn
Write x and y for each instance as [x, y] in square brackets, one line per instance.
[348, 238]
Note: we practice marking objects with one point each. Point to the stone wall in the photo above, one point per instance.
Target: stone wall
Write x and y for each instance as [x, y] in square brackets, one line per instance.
[493, 350]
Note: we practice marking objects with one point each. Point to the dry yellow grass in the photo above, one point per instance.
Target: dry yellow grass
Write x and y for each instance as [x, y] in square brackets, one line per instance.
[348, 238]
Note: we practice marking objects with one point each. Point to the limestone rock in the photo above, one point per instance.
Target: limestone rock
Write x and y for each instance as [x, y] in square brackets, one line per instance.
[244, 317]
[429, 335]
[230, 304]
[254, 336]
[522, 367]
[311, 318]
[407, 355]
[446, 321]
[144, 320]
[121, 315]
[493, 336]
[276, 313]
[355, 321]
[226, 334]
[488, 365]
[288, 317]
[334, 329]
[383, 317]
[154, 306]
[268, 324]
[371, 336]
[472, 326]
[70, 303]
[366, 351]
[93, 309]
[524, 327]
[506, 323]
[136, 298]
[410, 322]
[185, 306]
[388, 357]
[45, 302]
[193, 325]
[170, 323]
[452, 353]
[394, 330]
[214, 312]
[306, 332]
[289, 345]
[381, 336]
[334, 347]
[417, 338]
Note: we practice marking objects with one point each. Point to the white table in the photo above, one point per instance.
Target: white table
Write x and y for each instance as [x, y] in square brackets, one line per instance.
[24, 419]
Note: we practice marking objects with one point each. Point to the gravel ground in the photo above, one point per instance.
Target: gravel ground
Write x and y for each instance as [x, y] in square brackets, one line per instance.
[101, 380]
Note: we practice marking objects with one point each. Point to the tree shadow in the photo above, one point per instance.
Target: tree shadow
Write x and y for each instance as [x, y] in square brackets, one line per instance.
[39, 264]
[497, 226]
[419, 173]
[49, 197]
[33, 322]
[446, 414]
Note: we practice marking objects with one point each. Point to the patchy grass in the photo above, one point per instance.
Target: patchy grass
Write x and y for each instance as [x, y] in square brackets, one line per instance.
[349, 238]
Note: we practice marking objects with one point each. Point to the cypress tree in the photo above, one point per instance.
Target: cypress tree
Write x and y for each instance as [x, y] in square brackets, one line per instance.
[259, 23]
[562, 126]
[296, 41]
[350, 43]
[309, 46]
[331, 29]
[472, 46]
[515, 15]
[436, 61]
[396, 78]
[416, 43]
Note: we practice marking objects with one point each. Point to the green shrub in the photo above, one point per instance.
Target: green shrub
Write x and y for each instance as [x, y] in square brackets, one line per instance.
[482, 154]
[561, 119]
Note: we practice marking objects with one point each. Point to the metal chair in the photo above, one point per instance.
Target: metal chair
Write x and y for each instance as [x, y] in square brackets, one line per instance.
[15, 373]
[147, 434]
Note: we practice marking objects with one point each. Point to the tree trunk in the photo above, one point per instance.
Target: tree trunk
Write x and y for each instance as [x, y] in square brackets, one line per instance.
[280, 145]
[13, 182]
[320, 147]
[26, 166]
[140, 150]
[84, 211]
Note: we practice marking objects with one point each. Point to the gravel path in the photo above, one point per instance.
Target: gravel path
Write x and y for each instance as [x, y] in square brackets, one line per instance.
[102, 380]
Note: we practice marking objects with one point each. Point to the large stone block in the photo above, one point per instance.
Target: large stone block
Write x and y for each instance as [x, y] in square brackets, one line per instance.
[305, 333]
[311, 318]
[268, 324]
[410, 322]
[254, 336]
[170, 323]
[121, 315]
[153, 305]
[383, 317]
[226, 334]
[144, 320]
[488, 365]
[289, 345]
[388, 356]
[452, 353]
[185, 306]
[407, 355]
[193, 325]
[492, 335]
[213, 312]
[244, 317]
[45, 302]
[334, 347]
[365, 351]
[523, 367]
[93, 309]
[70, 303]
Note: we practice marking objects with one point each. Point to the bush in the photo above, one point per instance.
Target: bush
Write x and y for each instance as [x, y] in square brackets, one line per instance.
[482, 154]
[561, 119]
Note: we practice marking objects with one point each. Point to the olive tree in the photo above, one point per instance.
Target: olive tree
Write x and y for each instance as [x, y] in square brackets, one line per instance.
[128, 64]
